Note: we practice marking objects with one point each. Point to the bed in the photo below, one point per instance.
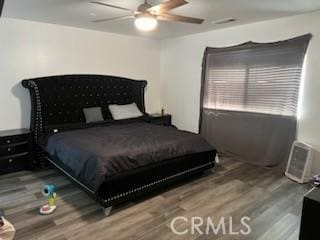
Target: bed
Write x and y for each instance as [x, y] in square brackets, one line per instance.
[113, 161]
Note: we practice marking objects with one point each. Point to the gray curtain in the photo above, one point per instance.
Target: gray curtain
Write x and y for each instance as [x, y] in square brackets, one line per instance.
[249, 98]
[1, 6]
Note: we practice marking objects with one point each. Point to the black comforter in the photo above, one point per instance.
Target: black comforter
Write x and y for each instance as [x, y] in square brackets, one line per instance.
[94, 154]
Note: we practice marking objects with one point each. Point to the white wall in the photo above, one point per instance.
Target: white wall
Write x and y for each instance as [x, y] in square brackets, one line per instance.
[181, 69]
[30, 49]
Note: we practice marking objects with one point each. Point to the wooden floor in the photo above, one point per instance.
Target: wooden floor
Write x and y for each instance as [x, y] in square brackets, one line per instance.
[235, 189]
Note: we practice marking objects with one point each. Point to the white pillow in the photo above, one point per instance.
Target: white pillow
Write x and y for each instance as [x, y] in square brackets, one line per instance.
[119, 112]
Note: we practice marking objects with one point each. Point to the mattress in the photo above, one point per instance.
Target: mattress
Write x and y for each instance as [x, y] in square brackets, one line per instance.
[95, 154]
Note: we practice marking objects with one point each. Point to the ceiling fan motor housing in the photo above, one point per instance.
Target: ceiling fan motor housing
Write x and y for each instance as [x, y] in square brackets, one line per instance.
[144, 7]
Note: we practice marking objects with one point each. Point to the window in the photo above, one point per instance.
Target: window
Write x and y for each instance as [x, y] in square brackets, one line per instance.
[254, 77]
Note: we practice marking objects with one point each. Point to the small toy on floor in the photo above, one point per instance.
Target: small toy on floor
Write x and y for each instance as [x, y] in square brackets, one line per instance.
[48, 191]
[7, 230]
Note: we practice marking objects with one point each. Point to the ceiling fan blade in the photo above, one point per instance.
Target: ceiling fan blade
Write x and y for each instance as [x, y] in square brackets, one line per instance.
[113, 18]
[113, 6]
[178, 18]
[166, 6]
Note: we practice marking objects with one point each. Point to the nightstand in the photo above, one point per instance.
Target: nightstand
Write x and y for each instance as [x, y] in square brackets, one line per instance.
[164, 120]
[309, 227]
[15, 150]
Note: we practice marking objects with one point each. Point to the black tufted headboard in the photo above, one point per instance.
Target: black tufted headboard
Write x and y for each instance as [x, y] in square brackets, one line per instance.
[59, 100]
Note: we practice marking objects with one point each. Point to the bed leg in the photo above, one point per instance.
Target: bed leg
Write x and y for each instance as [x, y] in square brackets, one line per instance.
[106, 211]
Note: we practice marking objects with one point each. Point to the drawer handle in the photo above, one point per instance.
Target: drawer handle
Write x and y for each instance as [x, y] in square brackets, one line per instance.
[8, 141]
[9, 149]
[10, 160]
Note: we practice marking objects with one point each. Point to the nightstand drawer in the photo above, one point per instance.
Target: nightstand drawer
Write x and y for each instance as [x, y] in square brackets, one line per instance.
[13, 139]
[14, 149]
[13, 162]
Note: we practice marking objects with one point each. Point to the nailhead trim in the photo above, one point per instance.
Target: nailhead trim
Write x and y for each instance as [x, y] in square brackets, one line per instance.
[154, 183]
[38, 118]
[38, 124]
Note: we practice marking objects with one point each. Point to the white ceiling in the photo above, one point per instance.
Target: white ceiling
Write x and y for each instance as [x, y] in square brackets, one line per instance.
[80, 13]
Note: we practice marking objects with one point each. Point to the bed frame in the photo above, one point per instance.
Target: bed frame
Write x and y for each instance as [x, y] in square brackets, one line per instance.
[59, 100]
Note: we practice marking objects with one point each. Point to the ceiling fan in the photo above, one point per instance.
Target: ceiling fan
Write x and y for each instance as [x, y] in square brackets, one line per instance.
[147, 16]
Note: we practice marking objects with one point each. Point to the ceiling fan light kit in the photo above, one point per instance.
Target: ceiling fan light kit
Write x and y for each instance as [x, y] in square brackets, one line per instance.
[147, 16]
[146, 22]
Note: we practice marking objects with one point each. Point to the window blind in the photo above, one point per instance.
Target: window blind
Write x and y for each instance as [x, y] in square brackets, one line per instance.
[255, 77]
